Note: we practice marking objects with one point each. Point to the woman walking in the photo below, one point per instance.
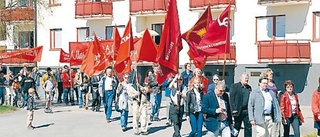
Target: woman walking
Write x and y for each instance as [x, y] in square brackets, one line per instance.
[315, 105]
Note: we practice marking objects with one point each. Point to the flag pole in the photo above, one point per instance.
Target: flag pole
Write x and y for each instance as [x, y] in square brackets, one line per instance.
[228, 42]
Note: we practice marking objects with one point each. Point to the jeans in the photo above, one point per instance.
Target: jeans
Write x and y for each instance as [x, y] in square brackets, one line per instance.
[168, 108]
[79, 97]
[155, 99]
[66, 94]
[124, 118]
[196, 121]
[294, 122]
[107, 103]
[24, 96]
[2, 95]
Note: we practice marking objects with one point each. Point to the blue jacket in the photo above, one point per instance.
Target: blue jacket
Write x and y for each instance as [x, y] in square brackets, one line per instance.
[102, 82]
[209, 106]
[186, 77]
[165, 85]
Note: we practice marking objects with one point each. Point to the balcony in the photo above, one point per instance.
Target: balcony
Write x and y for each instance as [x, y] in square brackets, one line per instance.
[282, 2]
[147, 7]
[17, 14]
[93, 10]
[219, 59]
[284, 51]
[215, 4]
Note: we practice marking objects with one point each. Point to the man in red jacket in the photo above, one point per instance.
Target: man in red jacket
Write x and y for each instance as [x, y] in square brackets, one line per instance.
[66, 84]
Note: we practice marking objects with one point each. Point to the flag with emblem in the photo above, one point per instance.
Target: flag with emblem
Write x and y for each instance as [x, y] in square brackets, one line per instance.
[194, 36]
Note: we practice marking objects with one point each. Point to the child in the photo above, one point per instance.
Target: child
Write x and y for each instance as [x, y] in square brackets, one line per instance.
[15, 88]
[49, 87]
[30, 108]
[84, 87]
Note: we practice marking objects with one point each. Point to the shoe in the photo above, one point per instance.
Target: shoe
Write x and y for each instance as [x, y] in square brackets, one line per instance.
[151, 119]
[136, 133]
[86, 108]
[80, 106]
[145, 133]
[156, 119]
[124, 129]
[37, 98]
[168, 123]
[109, 120]
[30, 127]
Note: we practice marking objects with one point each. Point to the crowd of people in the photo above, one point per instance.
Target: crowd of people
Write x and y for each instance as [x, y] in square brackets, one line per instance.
[264, 112]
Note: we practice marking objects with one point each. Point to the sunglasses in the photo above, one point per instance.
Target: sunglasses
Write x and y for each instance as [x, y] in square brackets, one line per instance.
[215, 79]
[221, 90]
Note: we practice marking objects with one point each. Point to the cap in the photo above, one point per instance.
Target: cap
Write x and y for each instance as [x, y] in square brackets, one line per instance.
[49, 69]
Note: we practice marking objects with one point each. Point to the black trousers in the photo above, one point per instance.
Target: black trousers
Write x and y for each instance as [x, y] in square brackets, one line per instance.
[243, 117]
[96, 100]
[176, 115]
[60, 90]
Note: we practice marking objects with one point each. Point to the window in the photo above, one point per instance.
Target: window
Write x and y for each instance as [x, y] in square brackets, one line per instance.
[55, 2]
[55, 39]
[316, 26]
[270, 27]
[26, 39]
[158, 28]
[25, 3]
[82, 33]
[109, 31]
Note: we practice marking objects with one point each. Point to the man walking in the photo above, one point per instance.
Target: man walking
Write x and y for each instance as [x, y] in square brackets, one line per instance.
[264, 110]
[108, 86]
[239, 96]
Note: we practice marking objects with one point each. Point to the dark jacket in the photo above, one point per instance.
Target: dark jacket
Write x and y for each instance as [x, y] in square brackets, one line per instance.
[30, 103]
[209, 106]
[236, 97]
[154, 86]
[191, 101]
[26, 83]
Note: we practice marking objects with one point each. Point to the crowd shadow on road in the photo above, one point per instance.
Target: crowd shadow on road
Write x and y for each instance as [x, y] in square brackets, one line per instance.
[58, 111]
[156, 129]
[44, 125]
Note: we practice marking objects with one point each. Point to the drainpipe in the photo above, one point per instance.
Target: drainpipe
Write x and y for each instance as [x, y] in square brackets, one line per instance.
[35, 41]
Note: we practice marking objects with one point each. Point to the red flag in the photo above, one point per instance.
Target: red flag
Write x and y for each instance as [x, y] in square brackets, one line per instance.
[22, 56]
[117, 41]
[216, 40]
[170, 44]
[93, 57]
[194, 36]
[77, 51]
[146, 48]
[101, 60]
[64, 57]
[123, 61]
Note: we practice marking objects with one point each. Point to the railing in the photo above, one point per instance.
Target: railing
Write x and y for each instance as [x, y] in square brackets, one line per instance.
[203, 3]
[230, 57]
[148, 6]
[93, 9]
[17, 14]
[279, 1]
[284, 51]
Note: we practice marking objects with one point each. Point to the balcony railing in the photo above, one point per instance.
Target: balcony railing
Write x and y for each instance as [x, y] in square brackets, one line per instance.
[282, 2]
[219, 59]
[17, 14]
[284, 51]
[93, 9]
[196, 4]
[148, 6]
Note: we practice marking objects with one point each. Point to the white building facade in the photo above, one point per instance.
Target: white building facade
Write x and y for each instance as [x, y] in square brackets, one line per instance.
[283, 36]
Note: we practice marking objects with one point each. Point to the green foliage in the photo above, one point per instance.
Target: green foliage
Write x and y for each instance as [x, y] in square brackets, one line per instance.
[7, 109]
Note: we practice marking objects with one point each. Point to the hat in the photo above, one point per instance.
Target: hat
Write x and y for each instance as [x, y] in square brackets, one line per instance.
[49, 69]
[65, 66]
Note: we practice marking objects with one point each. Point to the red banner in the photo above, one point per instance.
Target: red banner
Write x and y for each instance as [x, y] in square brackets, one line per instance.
[77, 52]
[22, 56]
[64, 57]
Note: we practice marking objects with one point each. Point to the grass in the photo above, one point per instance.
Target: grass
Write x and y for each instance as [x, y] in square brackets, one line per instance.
[314, 134]
[7, 109]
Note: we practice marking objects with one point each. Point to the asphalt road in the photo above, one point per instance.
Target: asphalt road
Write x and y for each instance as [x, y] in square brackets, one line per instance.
[70, 121]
